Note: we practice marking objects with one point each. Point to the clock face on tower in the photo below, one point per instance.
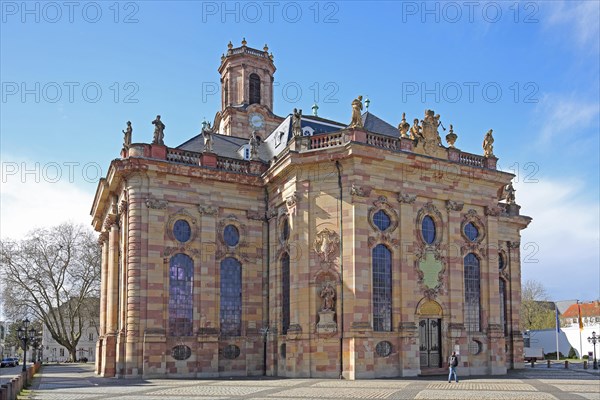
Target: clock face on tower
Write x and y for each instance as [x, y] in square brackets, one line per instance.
[256, 120]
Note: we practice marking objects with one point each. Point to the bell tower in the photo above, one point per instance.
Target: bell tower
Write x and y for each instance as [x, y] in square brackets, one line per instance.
[246, 92]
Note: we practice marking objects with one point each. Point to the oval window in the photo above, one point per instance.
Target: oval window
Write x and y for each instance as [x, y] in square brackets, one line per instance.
[231, 235]
[471, 232]
[428, 229]
[182, 230]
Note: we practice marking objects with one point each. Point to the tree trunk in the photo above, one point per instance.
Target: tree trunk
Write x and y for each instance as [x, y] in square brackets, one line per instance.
[73, 354]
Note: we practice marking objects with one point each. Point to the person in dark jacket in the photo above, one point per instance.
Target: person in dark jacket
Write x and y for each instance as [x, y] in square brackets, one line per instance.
[453, 363]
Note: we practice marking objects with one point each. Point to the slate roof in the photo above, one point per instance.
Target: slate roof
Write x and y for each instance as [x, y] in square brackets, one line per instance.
[374, 124]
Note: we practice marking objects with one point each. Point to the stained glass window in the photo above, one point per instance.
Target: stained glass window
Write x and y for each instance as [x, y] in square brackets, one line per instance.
[254, 89]
[231, 297]
[428, 229]
[181, 272]
[285, 293]
[382, 288]
[472, 293]
[381, 220]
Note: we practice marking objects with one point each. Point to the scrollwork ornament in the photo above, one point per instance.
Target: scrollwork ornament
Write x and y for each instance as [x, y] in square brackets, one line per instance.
[207, 210]
[452, 205]
[327, 245]
[156, 204]
[406, 198]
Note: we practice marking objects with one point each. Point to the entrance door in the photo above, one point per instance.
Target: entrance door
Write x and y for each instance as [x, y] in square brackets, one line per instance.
[430, 346]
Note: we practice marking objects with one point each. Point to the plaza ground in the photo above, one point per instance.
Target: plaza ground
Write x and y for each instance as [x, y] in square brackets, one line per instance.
[78, 381]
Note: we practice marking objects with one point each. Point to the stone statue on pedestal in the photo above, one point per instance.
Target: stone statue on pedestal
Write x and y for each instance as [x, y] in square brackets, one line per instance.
[297, 123]
[488, 144]
[127, 139]
[356, 121]
[159, 129]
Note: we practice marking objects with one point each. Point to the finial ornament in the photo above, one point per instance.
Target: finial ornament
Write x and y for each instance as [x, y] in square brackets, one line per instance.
[488, 144]
[451, 137]
[403, 126]
[159, 129]
[266, 48]
[357, 106]
[127, 136]
[315, 109]
[230, 45]
[367, 103]
[297, 123]
[244, 43]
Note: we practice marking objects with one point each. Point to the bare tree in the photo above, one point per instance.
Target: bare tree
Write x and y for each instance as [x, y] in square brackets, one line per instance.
[536, 311]
[52, 276]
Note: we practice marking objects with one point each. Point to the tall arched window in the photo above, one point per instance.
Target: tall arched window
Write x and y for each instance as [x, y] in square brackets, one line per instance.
[285, 293]
[231, 297]
[503, 319]
[226, 92]
[472, 293]
[254, 89]
[181, 273]
[382, 288]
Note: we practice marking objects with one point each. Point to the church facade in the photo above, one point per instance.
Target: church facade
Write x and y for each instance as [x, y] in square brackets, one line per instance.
[298, 246]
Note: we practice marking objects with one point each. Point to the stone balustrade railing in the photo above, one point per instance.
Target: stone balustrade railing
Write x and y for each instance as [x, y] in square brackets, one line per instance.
[183, 157]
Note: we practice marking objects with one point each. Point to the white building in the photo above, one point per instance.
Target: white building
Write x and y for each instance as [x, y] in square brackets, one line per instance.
[54, 352]
[590, 319]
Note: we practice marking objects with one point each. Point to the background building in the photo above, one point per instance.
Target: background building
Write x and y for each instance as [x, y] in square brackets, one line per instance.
[303, 247]
[55, 352]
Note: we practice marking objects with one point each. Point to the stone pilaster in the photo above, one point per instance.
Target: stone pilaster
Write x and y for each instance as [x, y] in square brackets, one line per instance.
[103, 242]
[112, 296]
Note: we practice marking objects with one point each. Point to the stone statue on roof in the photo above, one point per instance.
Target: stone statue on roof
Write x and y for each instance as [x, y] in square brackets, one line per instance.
[509, 192]
[297, 123]
[253, 146]
[127, 139]
[415, 130]
[356, 121]
[159, 129]
[488, 144]
[207, 135]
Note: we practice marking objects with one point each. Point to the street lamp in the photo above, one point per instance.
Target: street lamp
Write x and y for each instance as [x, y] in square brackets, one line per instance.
[593, 340]
[25, 336]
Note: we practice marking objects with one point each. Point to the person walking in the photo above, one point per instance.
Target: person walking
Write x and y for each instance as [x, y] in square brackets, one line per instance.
[453, 363]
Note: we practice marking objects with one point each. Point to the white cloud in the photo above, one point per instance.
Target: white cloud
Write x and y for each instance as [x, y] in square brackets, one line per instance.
[580, 19]
[36, 199]
[562, 116]
[564, 237]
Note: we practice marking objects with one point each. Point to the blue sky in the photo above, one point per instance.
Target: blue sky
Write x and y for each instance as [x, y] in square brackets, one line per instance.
[72, 75]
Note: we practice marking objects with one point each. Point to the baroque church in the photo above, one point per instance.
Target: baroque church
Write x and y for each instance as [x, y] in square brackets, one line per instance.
[298, 246]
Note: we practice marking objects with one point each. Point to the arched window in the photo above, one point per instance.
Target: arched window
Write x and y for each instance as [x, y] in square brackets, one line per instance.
[254, 89]
[181, 273]
[285, 293]
[472, 293]
[231, 297]
[503, 319]
[382, 288]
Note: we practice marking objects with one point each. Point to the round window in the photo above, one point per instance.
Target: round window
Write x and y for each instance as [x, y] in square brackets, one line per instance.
[475, 347]
[428, 229]
[381, 220]
[182, 230]
[471, 231]
[181, 352]
[231, 235]
[231, 352]
[383, 349]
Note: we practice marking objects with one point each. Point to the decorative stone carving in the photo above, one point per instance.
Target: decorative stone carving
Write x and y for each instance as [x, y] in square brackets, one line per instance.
[291, 201]
[382, 204]
[406, 198]
[110, 221]
[509, 193]
[156, 204]
[472, 217]
[255, 215]
[492, 211]
[207, 210]
[452, 205]
[514, 245]
[430, 266]
[364, 191]
[473, 247]
[327, 244]
[432, 211]
[253, 146]
[326, 324]
[159, 129]
[123, 205]
[356, 121]
[451, 137]
[103, 237]
[272, 213]
[488, 144]
[207, 136]
[430, 138]
[415, 131]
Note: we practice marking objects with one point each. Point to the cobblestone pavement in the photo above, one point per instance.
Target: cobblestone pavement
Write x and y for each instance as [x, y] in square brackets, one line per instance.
[77, 381]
